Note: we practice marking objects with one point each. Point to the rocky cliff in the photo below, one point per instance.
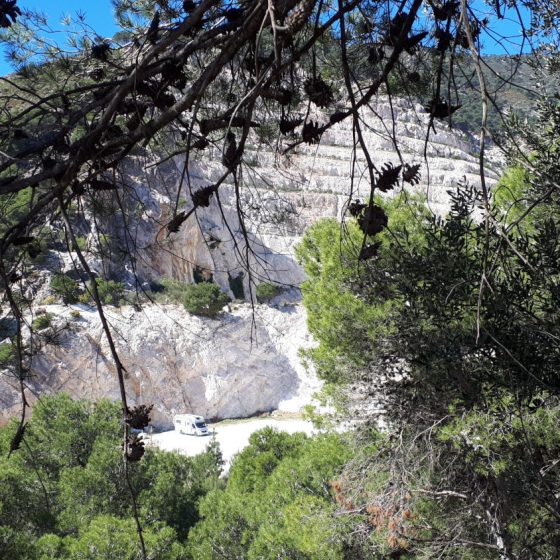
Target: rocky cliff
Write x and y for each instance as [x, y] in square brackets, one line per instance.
[235, 366]
[247, 360]
[283, 194]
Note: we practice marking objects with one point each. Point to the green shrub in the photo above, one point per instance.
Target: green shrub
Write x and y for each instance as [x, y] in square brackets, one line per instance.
[105, 243]
[75, 447]
[75, 314]
[14, 207]
[204, 299]
[65, 287]
[42, 321]
[110, 292]
[266, 291]
[84, 298]
[81, 241]
[168, 290]
[38, 250]
[267, 133]
[7, 354]
[276, 502]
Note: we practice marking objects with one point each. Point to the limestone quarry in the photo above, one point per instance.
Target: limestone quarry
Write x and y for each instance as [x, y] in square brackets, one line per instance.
[247, 360]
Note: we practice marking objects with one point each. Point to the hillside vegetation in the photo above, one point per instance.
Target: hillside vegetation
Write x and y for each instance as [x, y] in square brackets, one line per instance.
[67, 494]
[514, 83]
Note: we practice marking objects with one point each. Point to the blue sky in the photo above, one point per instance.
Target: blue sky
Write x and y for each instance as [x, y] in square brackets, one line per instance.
[99, 15]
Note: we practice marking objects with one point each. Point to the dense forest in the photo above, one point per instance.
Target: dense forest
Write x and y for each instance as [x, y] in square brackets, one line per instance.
[66, 495]
[441, 334]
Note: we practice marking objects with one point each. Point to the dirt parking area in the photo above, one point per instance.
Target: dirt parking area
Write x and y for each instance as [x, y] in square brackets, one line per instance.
[232, 435]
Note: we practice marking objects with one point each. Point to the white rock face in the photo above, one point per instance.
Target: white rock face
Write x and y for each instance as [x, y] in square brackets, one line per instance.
[241, 363]
[282, 195]
[234, 366]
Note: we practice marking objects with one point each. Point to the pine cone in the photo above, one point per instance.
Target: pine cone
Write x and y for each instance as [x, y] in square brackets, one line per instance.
[413, 77]
[299, 17]
[337, 117]
[97, 74]
[289, 125]
[230, 153]
[373, 220]
[139, 416]
[311, 133]
[440, 109]
[202, 197]
[443, 12]
[388, 178]
[282, 95]
[318, 92]
[18, 241]
[8, 11]
[134, 448]
[444, 39]
[355, 208]
[174, 225]
[164, 100]
[171, 71]
[369, 251]
[153, 31]
[101, 51]
[98, 185]
[200, 144]
[411, 173]
[376, 55]
[15, 444]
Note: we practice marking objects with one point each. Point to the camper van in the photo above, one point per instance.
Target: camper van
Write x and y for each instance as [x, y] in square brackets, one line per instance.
[190, 424]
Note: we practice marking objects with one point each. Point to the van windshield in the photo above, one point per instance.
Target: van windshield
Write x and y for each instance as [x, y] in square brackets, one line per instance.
[200, 425]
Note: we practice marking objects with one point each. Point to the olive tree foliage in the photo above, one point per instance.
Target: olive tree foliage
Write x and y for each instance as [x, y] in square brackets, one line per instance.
[185, 77]
[453, 328]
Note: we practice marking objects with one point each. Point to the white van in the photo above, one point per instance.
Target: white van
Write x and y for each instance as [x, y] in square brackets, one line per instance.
[190, 424]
